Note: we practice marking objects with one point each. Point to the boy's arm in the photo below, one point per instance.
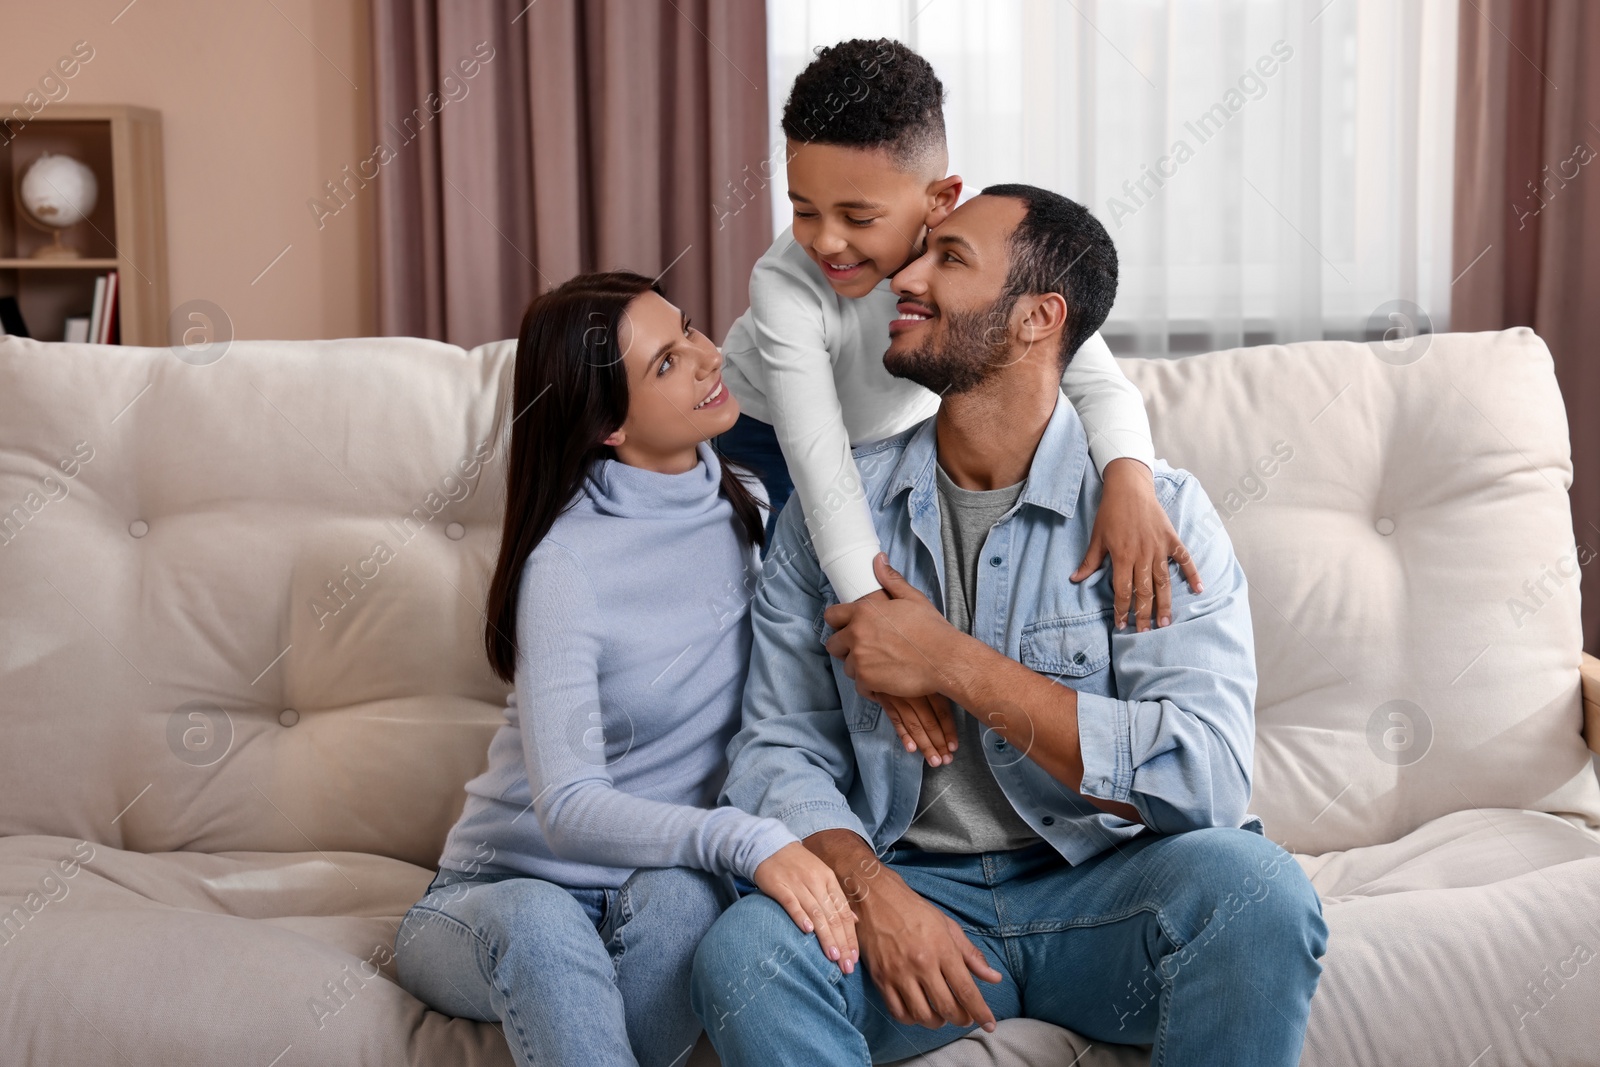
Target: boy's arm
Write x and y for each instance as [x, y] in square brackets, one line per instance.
[1130, 526]
[809, 423]
[1110, 406]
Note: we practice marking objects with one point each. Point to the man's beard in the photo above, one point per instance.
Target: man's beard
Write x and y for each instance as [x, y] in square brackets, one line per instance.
[973, 346]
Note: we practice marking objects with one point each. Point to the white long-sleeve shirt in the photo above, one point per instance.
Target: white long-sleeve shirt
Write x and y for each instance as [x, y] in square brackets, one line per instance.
[810, 363]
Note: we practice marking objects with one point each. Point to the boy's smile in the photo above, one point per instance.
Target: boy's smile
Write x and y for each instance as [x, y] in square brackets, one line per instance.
[841, 271]
[860, 216]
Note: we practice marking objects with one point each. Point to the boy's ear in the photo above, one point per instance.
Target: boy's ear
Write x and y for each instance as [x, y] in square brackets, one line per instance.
[943, 195]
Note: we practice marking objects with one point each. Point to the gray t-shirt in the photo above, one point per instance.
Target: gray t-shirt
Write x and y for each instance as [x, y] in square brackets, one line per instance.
[961, 807]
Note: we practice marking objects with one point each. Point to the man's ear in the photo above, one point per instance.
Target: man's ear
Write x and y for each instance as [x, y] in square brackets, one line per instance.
[943, 195]
[1044, 320]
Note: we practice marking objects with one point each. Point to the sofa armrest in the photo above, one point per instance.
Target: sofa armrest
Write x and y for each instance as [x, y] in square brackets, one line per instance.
[1591, 701]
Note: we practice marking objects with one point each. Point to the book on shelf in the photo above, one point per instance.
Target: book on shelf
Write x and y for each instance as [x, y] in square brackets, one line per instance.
[76, 330]
[102, 316]
[108, 310]
[94, 311]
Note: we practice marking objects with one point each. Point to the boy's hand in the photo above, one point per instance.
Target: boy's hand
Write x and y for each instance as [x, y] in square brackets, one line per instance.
[923, 723]
[1134, 530]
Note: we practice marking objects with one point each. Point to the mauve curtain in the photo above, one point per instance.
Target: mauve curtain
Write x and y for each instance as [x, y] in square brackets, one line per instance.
[1527, 214]
[532, 142]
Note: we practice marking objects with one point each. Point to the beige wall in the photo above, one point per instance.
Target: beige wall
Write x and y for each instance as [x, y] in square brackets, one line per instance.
[257, 114]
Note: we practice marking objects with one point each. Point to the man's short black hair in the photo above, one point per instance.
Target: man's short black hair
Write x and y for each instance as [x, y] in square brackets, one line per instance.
[869, 94]
[1060, 247]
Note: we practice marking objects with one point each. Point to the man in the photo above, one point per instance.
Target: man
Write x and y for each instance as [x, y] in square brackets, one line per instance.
[1085, 852]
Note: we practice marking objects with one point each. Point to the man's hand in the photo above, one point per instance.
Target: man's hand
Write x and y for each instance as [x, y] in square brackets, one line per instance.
[1133, 528]
[919, 957]
[922, 961]
[924, 723]
[892, 646]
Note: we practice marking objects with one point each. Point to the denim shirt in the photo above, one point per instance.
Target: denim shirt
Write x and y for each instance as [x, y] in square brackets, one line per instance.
[1165, 717]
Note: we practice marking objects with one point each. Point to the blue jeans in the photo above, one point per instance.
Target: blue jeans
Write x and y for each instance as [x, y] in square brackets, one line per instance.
[576, 976]
[755, 444]
[1203, 945]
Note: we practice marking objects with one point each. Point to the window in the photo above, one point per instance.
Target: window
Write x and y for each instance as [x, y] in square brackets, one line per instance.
[1270, 171]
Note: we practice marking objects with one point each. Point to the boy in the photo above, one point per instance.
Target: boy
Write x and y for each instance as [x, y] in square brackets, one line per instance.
[866, 170]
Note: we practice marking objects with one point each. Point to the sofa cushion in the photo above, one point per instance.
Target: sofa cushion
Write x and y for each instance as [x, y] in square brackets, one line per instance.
[1472, 939]
[1480, 922]
[186, 958]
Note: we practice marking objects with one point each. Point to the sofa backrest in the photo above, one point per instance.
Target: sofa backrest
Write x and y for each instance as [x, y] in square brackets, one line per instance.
[242, 600]
[1401, 516]
[240, 603]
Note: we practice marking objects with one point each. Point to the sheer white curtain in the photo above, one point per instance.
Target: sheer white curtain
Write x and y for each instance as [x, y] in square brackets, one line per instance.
[1270, 170]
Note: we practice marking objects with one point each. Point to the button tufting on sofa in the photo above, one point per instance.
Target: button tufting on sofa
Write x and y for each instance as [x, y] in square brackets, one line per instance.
[1385, 526]
[288, 716]
[455, 531]
[138, 527]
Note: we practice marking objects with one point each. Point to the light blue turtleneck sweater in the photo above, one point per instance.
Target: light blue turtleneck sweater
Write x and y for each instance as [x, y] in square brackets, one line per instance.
[633, 634]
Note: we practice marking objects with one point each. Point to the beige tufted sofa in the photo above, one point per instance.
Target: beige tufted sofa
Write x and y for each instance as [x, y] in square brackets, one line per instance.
[241, 686]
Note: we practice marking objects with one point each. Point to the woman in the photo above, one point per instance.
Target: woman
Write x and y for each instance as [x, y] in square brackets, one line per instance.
[588, 860]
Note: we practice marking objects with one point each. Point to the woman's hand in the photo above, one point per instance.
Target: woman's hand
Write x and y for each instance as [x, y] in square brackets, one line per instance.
[808, 890]
[1132, 527]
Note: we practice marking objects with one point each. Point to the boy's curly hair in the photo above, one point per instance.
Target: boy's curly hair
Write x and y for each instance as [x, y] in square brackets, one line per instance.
[870, 94]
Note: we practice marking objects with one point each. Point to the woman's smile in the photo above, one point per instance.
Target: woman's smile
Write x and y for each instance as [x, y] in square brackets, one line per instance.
[718, 394]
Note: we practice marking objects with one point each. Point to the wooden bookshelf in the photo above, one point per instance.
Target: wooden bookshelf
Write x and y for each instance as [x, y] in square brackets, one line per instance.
[127, 232]
[57, 264]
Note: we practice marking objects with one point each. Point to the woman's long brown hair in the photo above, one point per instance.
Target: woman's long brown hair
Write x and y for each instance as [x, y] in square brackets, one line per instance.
[569, 392]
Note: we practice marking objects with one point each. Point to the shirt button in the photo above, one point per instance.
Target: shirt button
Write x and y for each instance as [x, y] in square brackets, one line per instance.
[1049, 820]
[994, 561]
[1079, 658]
[1000, 742]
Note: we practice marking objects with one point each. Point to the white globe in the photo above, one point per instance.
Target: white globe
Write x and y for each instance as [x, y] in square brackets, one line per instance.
[58, 191]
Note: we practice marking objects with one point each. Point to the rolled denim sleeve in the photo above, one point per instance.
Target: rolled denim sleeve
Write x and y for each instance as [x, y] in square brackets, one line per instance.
[1178, 741]
[792, 759]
